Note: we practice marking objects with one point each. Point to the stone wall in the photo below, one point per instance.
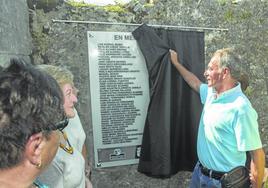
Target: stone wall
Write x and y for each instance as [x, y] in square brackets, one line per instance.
[66, 44]
[15, 38]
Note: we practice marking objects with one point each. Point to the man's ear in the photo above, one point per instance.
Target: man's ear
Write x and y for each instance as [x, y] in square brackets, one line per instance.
[226, 72]
[33, 149]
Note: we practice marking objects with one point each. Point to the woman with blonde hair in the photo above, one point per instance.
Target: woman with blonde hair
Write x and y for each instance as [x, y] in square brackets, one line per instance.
[67, 170]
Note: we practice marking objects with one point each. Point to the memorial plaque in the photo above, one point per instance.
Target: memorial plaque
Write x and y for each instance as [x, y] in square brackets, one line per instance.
[119, 97]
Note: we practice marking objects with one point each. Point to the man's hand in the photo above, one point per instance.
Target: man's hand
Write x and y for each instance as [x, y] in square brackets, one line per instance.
[173, 57]
[257, 168]
[253, 175]
[188, 76]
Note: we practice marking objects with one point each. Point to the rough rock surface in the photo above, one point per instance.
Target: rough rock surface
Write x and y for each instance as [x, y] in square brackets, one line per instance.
[66, 44]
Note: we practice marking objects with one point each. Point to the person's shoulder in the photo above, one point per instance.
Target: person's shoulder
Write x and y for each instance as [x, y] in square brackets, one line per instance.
[243, 104]
[242, 100]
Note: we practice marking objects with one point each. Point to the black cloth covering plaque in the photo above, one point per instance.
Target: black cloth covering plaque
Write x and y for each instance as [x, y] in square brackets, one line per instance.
[170, 131]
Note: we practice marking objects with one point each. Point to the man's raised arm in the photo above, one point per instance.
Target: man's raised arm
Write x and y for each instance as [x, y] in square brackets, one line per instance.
[188, 76]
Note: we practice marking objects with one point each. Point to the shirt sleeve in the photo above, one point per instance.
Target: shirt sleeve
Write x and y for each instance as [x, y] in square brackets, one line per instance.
[246, 129]
[203, 90]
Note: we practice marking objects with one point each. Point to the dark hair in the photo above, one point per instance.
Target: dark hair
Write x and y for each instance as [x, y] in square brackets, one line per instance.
[30, 102]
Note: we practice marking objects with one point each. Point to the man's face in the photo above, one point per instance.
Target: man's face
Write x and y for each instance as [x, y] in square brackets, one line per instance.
[214, 73]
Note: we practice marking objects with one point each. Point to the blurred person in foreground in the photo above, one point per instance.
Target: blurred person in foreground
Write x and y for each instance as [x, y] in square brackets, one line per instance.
[228, 126]
[31, 112]
[68, 169]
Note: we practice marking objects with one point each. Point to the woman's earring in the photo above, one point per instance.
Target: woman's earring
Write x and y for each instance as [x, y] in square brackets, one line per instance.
[39, 165]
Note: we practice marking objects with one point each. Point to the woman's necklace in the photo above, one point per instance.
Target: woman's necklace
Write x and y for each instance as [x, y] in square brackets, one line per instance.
[68, 148]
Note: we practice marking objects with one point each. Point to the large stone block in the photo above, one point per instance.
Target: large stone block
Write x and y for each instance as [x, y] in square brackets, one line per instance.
[15, 38]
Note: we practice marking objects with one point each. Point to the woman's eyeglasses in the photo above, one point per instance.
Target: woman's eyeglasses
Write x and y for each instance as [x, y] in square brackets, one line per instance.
[58, 126]
[62, 124]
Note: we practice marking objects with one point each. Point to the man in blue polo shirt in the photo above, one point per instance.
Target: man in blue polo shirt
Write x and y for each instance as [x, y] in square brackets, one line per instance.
[228, 126]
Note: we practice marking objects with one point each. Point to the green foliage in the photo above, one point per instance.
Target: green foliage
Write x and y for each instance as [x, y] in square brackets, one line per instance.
[119, 8]
[148, 5]
[120, 2]
[135, 1]
[79, 4]
[249, 91]
[229, 15]
[222, 2]
[115, 8]
[261, 21]
[245, 15]
[265, 185]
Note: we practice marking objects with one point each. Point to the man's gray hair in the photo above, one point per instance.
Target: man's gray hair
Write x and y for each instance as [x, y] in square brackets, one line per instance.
[230, 59]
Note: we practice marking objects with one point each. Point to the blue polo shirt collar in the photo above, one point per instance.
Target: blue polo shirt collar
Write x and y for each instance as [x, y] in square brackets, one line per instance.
[235, 89]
